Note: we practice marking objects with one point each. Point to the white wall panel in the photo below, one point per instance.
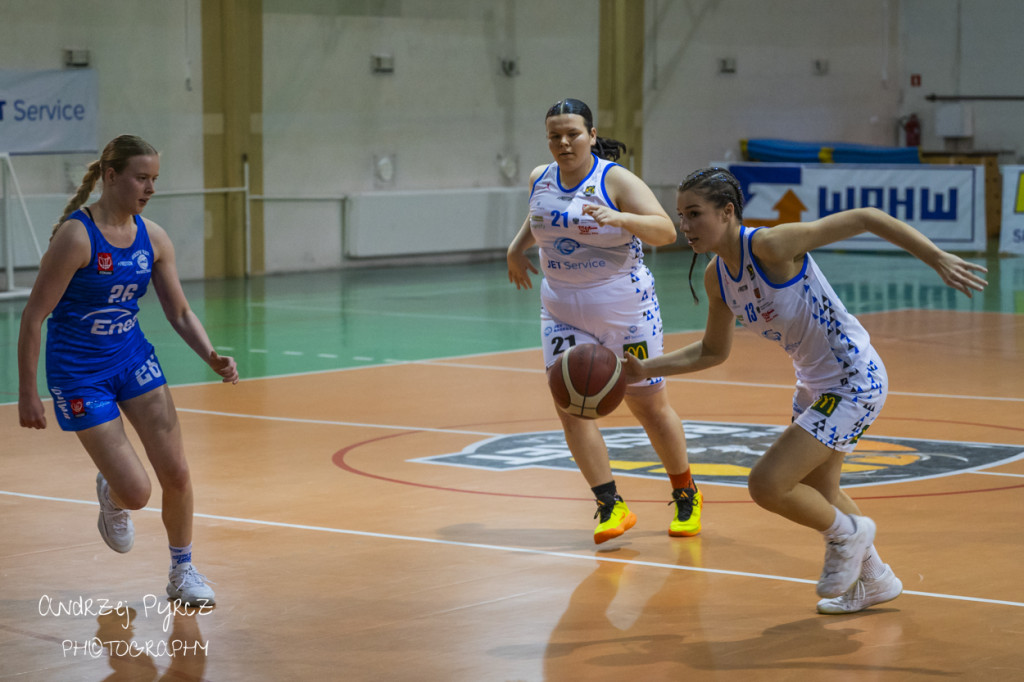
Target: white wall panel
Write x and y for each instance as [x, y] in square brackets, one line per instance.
[407, 223]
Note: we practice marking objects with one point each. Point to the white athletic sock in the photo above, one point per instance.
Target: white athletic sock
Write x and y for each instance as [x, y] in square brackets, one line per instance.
[873, 567]
[841, 527]
[180, 555]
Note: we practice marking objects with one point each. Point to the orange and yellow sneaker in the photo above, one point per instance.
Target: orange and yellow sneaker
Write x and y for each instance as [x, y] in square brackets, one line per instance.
[686, 522]
[615, 517]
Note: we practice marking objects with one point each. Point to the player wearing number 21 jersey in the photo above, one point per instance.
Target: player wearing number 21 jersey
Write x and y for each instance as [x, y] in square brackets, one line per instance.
[574, 249]
[589, 218]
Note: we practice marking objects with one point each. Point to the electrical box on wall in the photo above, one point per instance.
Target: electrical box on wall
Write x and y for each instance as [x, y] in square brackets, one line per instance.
[954, 119]
[76, 57]
[382, 63]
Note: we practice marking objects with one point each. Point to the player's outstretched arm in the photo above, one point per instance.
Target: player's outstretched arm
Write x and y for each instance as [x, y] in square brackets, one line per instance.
[790, 241]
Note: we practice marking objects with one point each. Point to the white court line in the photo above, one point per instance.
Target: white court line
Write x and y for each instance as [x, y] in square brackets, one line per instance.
[518, 550]
[386, 313]
[328, 422]
[745, 384]
[449, 362]
[995, 473]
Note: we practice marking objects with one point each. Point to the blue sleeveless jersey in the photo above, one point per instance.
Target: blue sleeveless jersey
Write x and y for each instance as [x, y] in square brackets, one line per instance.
[93, 332]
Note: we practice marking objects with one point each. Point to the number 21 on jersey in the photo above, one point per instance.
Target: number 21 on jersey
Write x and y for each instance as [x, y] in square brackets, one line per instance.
[559, 219]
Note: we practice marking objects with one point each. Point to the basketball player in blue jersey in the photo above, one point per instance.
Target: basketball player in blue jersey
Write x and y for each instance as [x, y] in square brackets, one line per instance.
[590, 218]
[100, 262]
[768, 281]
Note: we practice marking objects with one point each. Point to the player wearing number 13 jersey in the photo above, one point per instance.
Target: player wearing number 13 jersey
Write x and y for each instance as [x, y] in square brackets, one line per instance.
[100, 261]
[590, 218]
[837, 370]
[767, 279]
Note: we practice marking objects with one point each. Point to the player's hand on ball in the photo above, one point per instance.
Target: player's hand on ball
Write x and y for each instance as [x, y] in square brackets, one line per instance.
[633, 368]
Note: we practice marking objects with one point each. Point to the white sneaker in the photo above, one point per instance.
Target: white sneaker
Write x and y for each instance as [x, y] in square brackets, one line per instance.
[115, 524]
[843, 558]
[864, 593]
[189, 585]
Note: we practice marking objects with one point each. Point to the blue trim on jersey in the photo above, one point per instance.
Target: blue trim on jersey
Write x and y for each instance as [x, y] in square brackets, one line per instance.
[604, 190]
[764, 276]
[738, 277]
[718, 274]
[558, 176]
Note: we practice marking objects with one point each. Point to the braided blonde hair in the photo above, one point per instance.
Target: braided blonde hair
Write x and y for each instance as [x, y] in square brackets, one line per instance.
[115, 155]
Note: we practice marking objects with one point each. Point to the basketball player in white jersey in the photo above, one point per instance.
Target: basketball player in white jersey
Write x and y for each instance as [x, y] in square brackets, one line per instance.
[767, 280]
[590, 218]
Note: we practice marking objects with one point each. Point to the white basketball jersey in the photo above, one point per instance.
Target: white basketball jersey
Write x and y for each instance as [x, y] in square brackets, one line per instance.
[829, 347]
[574, 249]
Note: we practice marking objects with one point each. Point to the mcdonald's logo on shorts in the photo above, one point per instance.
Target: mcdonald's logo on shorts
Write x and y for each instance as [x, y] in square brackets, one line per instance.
[826, 404]
[638, 349]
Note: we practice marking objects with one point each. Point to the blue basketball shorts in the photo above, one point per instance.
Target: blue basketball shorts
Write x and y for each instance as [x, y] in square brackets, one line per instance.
[90, 403]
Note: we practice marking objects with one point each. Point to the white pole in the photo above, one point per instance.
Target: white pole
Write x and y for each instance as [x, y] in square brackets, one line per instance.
[248, 219]
[6, 226]
[24, 208]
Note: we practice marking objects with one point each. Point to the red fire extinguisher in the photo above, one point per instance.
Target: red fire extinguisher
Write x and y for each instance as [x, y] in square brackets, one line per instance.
[912, 130]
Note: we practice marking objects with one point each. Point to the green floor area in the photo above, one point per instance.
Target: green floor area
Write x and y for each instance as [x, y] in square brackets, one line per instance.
[318, 321]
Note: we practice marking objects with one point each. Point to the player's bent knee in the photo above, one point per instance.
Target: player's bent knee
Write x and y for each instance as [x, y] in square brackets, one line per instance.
[136, 497]
[764, 492]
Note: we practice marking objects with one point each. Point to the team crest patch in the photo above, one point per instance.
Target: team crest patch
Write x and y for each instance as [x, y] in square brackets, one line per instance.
[104, 264]
[142, 261]
[724, 453]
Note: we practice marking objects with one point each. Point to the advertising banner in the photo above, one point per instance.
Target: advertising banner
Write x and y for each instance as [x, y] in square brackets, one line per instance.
[1011, 233]
[946, 203]
[47, 112]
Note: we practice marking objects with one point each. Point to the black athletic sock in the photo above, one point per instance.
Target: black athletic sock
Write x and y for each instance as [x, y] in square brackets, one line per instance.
[605, 489]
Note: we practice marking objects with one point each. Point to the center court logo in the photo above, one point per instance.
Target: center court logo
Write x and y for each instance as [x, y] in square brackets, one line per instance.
[723, 453]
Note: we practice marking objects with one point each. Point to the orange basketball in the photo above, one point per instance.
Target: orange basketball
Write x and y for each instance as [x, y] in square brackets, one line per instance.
[587, 381]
